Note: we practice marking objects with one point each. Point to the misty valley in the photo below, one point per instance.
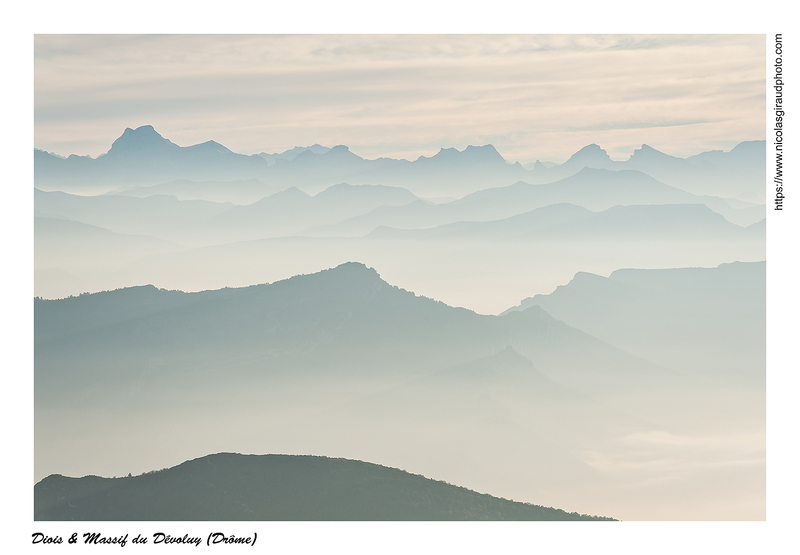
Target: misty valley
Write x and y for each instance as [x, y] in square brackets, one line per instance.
[311, 335]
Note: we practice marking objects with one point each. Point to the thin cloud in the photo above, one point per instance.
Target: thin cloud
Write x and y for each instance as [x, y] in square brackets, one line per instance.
[635, 125]
[544, 93]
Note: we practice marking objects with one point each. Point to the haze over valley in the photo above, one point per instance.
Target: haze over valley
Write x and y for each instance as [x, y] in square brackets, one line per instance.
[585, 337]
[526, 235]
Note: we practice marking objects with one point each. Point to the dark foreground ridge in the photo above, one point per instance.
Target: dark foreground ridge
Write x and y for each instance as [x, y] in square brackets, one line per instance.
[229, 486]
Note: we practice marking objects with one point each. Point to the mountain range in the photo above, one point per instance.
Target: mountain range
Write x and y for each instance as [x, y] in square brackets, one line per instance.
[638, 395]
[342, 364]
[347, 210]
[345, 319]
[661, 222]
[236, 192]
[593, 189]
[739, 173]
[142, 157]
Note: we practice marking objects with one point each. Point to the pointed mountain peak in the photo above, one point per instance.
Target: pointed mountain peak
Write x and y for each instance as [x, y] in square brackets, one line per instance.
[340, 152]
[144, 139]
[300, 154]
[648, 153]
[317, 148]
[590, 154]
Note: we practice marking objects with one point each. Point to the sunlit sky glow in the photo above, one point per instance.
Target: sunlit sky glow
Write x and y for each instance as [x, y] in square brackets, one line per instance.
[531, 96]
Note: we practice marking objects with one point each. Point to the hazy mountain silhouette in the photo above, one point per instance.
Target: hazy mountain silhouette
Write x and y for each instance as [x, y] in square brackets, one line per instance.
[69, 255]
[566, 221]
[639, 387]
[237, 192]
[594, 189]
[143, 157]
[161, 216]
[290, 154]
[745, 156]
[198, 222]
[707, 321]
[344, 320]
[515, 227]
[362, 208]
[291, 211]
[738, 173]
[449, 172]
[590, 156]
[600, 189]
[228, 486]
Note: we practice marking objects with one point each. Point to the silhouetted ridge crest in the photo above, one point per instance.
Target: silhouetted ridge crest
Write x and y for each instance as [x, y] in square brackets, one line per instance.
[306, 309]
[141, 141]
[589, 154]
[229, 486]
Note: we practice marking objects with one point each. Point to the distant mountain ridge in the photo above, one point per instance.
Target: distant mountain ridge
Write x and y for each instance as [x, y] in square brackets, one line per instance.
[234, 487]
[142, 157]
[290, 154]
[714, 317]
[738, 173]
[595, 189]
[238, 192]
[341, 363]
[567, 221]
[345, 317]
[292, 211]
[192, 222]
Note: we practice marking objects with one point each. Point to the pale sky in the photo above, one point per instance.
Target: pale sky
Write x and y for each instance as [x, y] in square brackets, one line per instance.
[531, 96]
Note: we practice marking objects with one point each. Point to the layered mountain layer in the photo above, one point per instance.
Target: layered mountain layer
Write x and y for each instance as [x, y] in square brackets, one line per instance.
[229, 486]
[142, 157]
